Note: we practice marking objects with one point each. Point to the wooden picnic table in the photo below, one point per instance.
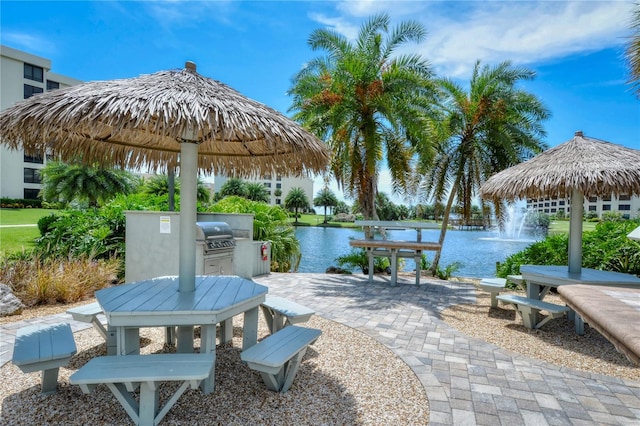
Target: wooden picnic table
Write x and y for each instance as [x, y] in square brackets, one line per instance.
[158, 302]
[393, 249]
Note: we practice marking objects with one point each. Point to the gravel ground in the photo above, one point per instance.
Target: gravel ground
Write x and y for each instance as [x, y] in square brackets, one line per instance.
[343, 379]
[556, 342]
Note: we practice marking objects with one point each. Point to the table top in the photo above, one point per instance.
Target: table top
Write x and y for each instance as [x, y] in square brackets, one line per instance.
[158, 301]
[558, 275]
[390, 224]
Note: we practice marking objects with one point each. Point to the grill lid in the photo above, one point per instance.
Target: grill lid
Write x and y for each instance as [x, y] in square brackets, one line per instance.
[207, 231]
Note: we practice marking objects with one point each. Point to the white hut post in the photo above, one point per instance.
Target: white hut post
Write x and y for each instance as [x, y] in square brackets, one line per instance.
[575, 231]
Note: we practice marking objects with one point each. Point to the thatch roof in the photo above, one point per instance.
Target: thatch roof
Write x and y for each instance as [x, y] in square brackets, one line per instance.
[595, 167]
[140, 122]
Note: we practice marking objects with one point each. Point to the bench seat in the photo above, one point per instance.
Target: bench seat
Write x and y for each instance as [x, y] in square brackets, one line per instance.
[124, 374]
[278, 356]
[527, 307]
[612, 311]
[280, 312]
[46, 348]
[494, 286]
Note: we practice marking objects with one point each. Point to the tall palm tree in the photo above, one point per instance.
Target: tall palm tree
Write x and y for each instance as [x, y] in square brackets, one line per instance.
[325, 198]
[296, 199]
[160, 185]
[484, 130]
[366, 103]
[94, 184]
[633, 50]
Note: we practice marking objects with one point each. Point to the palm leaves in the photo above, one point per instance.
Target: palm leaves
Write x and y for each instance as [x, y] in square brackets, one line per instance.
[366, 103]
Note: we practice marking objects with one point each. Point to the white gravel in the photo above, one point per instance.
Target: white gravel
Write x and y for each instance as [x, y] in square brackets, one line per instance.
[345, 378]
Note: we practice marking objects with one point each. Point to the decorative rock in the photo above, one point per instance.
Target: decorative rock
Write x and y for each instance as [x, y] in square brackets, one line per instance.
[9, 304]
[336, 270]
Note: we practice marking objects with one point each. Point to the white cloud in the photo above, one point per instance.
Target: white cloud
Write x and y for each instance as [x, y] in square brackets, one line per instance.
[521, 31]
[29, 43]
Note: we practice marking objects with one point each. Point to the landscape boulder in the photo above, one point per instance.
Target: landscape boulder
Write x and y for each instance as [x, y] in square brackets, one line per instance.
[9, 303]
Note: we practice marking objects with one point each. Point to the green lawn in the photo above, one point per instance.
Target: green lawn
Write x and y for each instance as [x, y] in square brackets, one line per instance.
[18, 238]
[562, 226]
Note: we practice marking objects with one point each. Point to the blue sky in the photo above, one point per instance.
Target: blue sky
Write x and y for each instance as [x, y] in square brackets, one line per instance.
[576, 48]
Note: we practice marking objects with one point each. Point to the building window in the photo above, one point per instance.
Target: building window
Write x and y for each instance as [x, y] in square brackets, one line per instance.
[31, 175]
[267, 184]
[592, 208]
[33, 72]
[607, 198]
[30, 90]
[278, 202]
[31, 194]
[561, 203]
[553, 203]
[606, 207]
[37, 159]
[625, 197]
[546, 205]
[624, 207]
[593, 199]
[52, 85]
[278, 178]
[626, 216]
[553, 210]
[278, 186]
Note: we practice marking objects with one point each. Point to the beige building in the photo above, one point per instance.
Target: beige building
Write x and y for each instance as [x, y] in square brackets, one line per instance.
[628, 206]
[21, 76]
[278, 186]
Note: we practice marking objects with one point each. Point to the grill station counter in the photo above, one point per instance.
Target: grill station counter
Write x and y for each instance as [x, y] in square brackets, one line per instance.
[214, 245]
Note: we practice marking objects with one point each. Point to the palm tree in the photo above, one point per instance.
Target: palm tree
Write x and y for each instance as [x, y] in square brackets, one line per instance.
[484, 130]
[233, 186]
[159, 185]
[256, 192]
[633, 50]
[325, 198]
[94, 184]
[366, 103]
[296, 199]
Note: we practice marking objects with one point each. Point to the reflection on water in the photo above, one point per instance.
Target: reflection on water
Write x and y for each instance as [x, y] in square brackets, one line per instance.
[477, 251]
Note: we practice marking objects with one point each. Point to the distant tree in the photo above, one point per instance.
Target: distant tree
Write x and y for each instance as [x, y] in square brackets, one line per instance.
[325, 198]
[233, 186]
[341, 207]
[403, 212]
[296, 199]
[257, 192]
[159, 185]
[93, 184]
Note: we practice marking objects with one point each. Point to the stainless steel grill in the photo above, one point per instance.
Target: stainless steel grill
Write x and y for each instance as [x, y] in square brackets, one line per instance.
[218, 244]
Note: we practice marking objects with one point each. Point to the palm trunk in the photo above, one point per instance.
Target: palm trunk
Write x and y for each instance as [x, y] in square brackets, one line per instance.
[443, 231]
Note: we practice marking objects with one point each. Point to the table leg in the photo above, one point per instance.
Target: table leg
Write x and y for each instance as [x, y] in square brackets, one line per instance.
[394, 267]
[128, 340]
[250, 328]
[208, 346]
[418, 259]
[533, 292]
[185, 340]
[370, 255]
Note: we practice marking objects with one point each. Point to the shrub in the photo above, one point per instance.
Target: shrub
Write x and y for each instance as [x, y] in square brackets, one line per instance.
[19, 203]
[36, 281]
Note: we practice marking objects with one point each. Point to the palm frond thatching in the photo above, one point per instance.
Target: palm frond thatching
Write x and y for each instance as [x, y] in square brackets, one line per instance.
[141, 121]
[593, 166]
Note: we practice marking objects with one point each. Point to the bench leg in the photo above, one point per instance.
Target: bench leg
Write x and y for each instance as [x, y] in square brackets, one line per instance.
[98, 326]
[394, 267]
[282, 381]
[529, 316]
[418, 260]
[494, 299]
[50, 381]
[148, 403]
[292, 370]
[127, 401]
[370, 253]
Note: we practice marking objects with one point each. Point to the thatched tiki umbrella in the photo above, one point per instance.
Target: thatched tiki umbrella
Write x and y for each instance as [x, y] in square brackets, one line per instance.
[163, 120]
[580, 167]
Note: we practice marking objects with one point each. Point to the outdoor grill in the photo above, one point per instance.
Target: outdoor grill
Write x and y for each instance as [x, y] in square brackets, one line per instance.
[215, 245]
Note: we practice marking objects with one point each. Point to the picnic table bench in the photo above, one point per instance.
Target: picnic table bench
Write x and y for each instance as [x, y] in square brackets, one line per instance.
[46, 348]
[125, 374]
[278, 356]
[280, 312]
[393, 249]
[529, 308]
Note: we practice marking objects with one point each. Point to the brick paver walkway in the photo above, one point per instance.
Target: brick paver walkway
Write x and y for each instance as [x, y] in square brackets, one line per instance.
[467, 381]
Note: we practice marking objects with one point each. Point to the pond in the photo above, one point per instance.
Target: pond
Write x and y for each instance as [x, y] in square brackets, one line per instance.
[477, 251]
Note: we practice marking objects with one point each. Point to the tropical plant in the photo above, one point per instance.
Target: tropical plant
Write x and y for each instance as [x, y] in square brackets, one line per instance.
[489, 127]
[270, 223]
[357, 258]
[367, 104]
[256, 192]
[233, 186]
[93, 184]
[296, 199]
[325, 198]
[341, 207]
[633, 50]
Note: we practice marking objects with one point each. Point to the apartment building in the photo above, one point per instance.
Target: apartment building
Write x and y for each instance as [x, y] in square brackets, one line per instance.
[278, 186]
[23, 75]
[628, 206]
